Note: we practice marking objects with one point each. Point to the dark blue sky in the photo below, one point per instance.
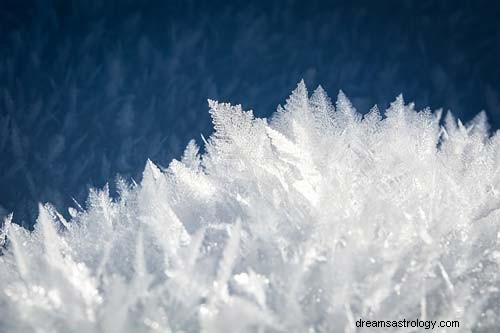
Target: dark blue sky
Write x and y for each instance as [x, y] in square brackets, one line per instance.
[89, 89]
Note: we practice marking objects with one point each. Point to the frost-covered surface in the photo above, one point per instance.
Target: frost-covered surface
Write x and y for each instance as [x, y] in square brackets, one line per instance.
[304, 223]
[92, 88]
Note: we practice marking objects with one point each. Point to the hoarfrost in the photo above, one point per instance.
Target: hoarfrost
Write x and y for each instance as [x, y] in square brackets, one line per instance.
[305, 223]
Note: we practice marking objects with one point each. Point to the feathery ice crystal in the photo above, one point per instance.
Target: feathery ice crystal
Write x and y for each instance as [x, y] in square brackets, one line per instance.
[305, 223]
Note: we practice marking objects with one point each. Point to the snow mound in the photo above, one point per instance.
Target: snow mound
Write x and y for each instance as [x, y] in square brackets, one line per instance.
[304, 223]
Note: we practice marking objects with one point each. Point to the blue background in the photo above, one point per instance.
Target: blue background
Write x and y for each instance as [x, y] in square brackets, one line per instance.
[89, 89]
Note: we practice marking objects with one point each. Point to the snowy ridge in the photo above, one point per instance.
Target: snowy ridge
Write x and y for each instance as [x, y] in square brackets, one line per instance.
[305, 223]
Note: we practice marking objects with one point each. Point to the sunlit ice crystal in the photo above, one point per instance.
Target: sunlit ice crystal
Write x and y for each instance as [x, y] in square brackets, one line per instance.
[305, 222]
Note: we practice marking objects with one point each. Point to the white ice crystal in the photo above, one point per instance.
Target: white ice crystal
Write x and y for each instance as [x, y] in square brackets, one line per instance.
[306, 223]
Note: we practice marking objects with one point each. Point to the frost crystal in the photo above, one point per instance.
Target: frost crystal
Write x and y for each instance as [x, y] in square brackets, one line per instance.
[305, 223]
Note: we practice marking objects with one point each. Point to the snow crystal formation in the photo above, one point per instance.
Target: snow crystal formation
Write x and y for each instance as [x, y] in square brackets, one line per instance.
[305, 222]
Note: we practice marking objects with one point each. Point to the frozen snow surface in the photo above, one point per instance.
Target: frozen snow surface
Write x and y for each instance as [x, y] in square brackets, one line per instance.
[92, 88]
[305, 222]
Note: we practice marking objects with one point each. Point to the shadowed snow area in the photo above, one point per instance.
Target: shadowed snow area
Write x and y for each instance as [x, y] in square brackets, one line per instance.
[305, 222]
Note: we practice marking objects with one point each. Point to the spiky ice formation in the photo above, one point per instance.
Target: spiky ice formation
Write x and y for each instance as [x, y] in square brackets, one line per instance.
[306, 223]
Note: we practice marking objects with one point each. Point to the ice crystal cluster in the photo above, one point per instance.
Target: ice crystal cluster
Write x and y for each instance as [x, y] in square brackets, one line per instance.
[303, 223]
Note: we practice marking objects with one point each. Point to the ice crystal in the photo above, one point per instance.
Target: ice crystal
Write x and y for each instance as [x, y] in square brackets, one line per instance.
[305, 223]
